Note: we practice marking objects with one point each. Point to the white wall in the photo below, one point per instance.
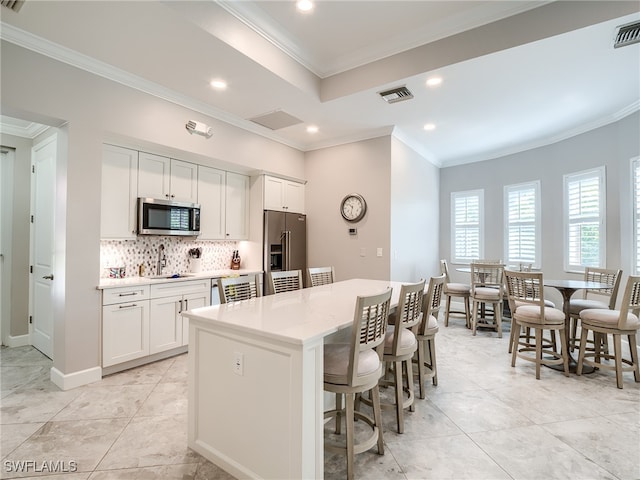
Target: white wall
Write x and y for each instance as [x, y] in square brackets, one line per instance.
[613, 146]
[361, 167]
[93, 110]
[414, 215]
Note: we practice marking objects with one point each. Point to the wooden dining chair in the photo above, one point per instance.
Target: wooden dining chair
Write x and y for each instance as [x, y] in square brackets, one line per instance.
[235, 289]
[526, 297]
[487, 287]
[455, 290]
[285, 281]
[618, 323]
[592, 298]
[317, 276]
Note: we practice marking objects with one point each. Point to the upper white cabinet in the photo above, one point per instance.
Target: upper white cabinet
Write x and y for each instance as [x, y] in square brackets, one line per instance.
[119, 192]
[237, 206]
[162, 177]
[283, 195]
[224, 202]
[211, 197]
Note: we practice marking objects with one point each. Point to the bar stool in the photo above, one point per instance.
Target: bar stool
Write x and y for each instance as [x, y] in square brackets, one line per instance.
[355, 368]
[286, 281]
[400, 346]
[320, 276]
[426, 333]
[235, 289]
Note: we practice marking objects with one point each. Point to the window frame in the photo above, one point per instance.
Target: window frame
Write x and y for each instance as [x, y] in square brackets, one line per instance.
[537, 222]
[479, 193]
[600, 174]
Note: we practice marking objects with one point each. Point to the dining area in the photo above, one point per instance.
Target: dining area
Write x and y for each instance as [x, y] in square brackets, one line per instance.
[304, 365]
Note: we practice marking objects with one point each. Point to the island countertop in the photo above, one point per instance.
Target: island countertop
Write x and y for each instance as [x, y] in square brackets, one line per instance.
[299, 316]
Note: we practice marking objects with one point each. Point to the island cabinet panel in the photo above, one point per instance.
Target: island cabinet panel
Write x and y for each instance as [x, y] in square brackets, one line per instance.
[284, 380]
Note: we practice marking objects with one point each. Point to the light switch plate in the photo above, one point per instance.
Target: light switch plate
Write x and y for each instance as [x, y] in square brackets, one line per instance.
[363, 252]
[379, 252]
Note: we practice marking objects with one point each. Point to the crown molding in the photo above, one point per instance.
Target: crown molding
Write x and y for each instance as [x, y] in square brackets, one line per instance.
[71, 57]
[31, 130]
[564, 135]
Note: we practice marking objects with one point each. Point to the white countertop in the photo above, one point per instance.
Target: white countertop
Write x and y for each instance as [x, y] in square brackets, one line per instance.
[131, 281]
[296, 317]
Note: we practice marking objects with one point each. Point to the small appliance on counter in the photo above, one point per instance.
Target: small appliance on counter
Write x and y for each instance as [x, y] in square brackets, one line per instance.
[235, 260]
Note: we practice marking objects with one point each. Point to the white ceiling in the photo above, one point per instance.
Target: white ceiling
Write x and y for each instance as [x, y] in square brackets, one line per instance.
[516, 74]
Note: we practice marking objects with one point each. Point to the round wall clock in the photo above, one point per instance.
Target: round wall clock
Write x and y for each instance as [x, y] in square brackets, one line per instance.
[353, 207]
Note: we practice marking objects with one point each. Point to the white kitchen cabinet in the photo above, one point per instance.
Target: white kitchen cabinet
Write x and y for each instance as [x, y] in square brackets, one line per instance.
[119, 193]
[165, 331]
[167, 178]
[193, 300]
[125, 324]
[211, 197]
[236, 206]
[283, 195]
[168, 301]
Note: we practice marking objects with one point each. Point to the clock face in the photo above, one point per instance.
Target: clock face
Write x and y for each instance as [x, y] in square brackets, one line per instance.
[353, 207]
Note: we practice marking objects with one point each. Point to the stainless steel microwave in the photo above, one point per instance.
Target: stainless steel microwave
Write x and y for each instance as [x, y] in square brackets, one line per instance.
[166, 217]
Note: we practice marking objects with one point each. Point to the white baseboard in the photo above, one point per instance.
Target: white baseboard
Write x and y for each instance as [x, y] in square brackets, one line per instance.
[75, 379]
[18, 341]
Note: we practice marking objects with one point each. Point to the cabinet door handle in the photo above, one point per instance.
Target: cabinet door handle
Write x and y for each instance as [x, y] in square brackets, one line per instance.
[186, 304]
[180, 307]
[128, 306]
[128, 294]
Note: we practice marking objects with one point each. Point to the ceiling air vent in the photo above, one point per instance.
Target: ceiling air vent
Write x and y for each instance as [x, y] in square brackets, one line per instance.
[395, 95]
[14, 5]
[627, 35]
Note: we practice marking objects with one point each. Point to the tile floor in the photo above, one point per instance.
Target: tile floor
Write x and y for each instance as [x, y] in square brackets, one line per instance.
[485, 420]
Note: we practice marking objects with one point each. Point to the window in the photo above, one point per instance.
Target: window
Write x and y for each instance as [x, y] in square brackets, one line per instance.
[467, 226]
[585, 231]
[635, 179]
[522, 223]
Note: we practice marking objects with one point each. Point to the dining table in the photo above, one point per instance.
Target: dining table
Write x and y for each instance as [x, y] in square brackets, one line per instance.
[567, 288]
[256, 400]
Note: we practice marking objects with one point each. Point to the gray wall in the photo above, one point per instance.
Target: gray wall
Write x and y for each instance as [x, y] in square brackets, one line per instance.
[360, 167]
[613, 146]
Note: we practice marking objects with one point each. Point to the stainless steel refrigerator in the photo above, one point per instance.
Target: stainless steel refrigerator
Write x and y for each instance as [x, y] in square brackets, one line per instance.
[285, 243]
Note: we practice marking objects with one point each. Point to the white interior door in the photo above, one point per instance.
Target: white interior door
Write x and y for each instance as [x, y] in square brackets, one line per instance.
[43, 188]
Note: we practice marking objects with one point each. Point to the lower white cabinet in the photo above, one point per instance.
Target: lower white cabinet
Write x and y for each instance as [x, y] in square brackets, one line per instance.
[125, 324]
[144, 320]
[168, 300]
[166, 330]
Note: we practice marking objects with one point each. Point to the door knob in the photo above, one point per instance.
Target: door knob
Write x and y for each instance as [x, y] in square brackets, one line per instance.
[48, 277]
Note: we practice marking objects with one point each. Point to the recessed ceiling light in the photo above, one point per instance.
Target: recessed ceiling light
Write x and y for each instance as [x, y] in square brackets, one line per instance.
[218, 84]
[312, 129]
[434, 81]
[304, 5]
[430, 126]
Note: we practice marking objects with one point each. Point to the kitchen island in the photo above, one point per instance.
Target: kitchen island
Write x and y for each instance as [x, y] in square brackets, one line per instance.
[256, 378]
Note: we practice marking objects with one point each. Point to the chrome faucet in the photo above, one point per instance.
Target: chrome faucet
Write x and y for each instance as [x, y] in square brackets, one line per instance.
[162, 260]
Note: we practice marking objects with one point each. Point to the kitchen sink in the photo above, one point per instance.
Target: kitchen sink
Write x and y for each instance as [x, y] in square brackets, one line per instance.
[170, 275]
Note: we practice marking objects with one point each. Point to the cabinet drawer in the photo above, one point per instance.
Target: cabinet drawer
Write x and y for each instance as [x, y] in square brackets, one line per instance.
[111, 296]
[180, 288]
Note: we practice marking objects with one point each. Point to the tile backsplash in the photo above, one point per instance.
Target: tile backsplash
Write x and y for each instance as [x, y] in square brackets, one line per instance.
[144, 251]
